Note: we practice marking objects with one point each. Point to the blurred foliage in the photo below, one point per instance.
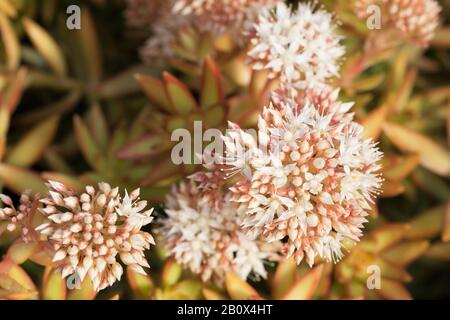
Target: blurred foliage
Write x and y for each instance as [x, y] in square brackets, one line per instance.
[79, 106]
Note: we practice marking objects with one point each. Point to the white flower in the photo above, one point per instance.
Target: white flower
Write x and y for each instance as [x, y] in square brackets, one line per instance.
[207, 239]
[315, 189]
[88, 232]
[301, 47]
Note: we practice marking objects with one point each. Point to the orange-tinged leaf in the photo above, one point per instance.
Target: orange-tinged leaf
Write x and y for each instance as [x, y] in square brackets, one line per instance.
[171, 273]
[190, 288]
[405, 253]
[30, 149]
[440, 251]
[433, 184]
[373, 123]
[392, 271]
[143, 147]
[53, 286]
[15, 92]
[210, 294]
[387, 235]
[392, 188]
[85, 292]
[179, 95]
[88, 146]
[46, 46]
[42, 257]
[141, 285]
[446, 223]
[154, 90]
[306, 286]
[393, 290]
[8, 8]
[123, 83]
[404, 168]
[19, 251]
[284, 277]
[98, 124]
[20, 179]
[238, 289]
[10, 41]
[211, 85]
[426, 225]
[16, 273]
[90, 46]
[432, 156]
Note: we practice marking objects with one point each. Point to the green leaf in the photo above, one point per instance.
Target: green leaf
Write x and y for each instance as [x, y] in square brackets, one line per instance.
[90, 45]
[306, 286]
[432, 156]
[46, 46]
[10, 41]
[144, 147]
[171, 273]
[179, 95]
[19, 179]
[155, 91]
[88, 146]
[238, 289]
[284, 277]
[30, 149]
[53, 285]
[405, 253]
[142, 285]
[211, 85]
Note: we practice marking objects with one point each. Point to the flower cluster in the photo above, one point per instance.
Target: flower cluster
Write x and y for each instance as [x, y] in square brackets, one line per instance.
[416, 20]
[205, 236]
[89, 231]
[19, 217]
[142, 13]
[220, 16]
[310, 179]
[174, 17]
[300, 47]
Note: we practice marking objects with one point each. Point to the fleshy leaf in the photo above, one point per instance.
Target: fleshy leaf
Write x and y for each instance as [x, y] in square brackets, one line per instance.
[171, 273]
[211, 85]
[19, 251]
[88, 146]
[10, 41]
[238, 289]
[46, 46]
[90, 46]
[306, 286]
[386, 236]
[284, 277]
[211, 294]
[154, 90]
[427, 224]
[393, 290]
[53, 285]
[19, 179]
[179, 95]
[432, 156]
[373, 122]
[440, 251]
[85, 292]
[141, 285]
[405, 253]
[143, 147]
[28, 150]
